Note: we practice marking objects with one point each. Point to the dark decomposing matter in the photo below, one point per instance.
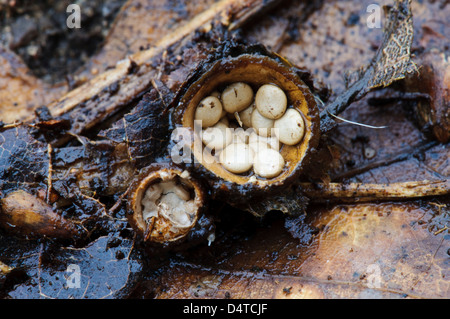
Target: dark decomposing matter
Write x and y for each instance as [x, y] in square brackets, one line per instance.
[100, 161]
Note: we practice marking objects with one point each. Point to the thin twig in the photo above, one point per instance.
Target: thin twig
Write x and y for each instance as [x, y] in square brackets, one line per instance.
[117, 204]
[390, 159]
[355, 123]
[39, 273]
[149, 229]
[358, 192]
[49, 175]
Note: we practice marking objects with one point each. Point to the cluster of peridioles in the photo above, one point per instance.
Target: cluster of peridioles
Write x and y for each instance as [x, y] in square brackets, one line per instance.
[268, 122]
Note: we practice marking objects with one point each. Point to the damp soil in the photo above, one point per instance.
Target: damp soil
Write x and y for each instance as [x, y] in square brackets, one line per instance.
[38, 32]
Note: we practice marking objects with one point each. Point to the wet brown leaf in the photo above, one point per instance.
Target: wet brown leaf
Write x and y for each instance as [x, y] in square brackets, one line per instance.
[20, 92]
[389, 250]
[365, 250]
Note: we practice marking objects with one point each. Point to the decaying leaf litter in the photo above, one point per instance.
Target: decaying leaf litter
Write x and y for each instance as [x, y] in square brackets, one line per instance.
[94, 148]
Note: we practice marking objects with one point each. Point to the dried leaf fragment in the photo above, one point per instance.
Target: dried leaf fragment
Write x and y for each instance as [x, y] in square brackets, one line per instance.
[30, 216]
[393, 60]
[391, 63]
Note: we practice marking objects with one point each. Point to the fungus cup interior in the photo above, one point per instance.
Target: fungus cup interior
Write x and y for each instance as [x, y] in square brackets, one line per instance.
[165, 228]
[254, 70]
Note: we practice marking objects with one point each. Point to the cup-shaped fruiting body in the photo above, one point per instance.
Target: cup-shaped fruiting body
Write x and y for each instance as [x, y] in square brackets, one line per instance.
[164, 203]
[279, 91]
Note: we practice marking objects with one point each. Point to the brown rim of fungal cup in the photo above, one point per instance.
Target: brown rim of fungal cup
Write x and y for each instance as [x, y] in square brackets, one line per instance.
[255, 70]
[174, 212]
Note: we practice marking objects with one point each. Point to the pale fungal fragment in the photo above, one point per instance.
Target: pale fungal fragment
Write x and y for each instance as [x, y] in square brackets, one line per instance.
[252, 179]
[236, 97]
[290, 128]
[185, 174]
[268, 163]
[217, 137]
[152, 194]
[166, 198]
[211, 238]
[238, 119]
[176, 209]
[237, 158]
[149, 209]
[209, 111]
[165, 202]
[271, 101]
[180, 191]
[369, 152]
[262, 124]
